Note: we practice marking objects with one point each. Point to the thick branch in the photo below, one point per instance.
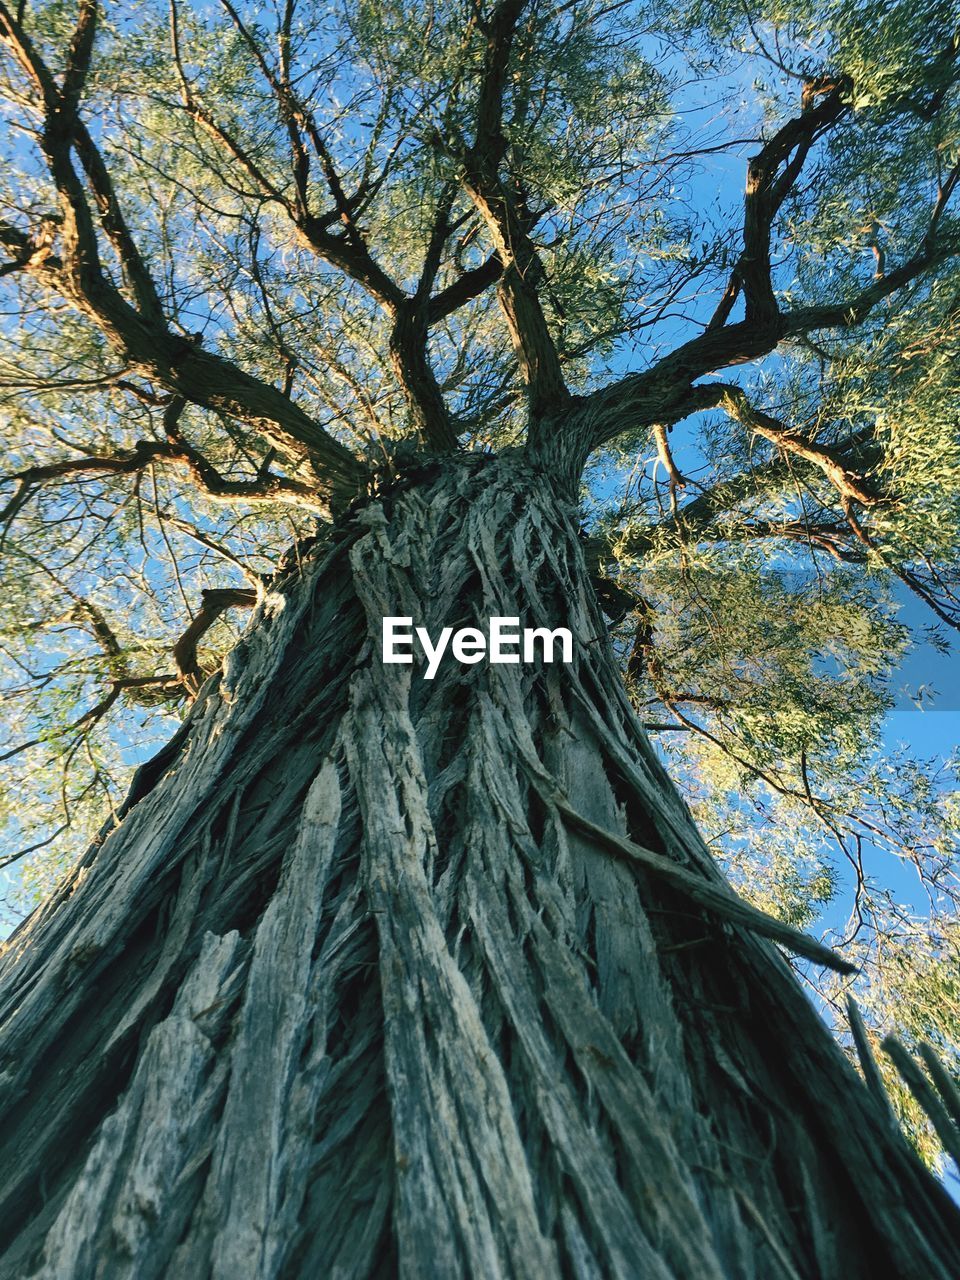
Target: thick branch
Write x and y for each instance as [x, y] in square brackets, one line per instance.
[409, 337]
[771, 174]
[410, 360]
[666, 392]
[520, 266]
[464, 289]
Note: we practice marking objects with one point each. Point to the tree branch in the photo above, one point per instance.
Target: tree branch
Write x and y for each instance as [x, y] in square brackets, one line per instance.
[216, 601]
[140, 331]
[266, 488]
[698, 518]
[853, 311]
[849, 485]
[767, 188]
[665, 454]
[521, 271]
[666, 392]
[93, 714]
[349, 251]
[471, 284]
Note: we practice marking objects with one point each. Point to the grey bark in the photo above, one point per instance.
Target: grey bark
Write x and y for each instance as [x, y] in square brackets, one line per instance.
[362, 985]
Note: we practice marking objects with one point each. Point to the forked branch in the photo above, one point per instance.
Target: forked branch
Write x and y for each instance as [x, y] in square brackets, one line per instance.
[668, 392]
[139, 331]
[266, 488]
[516, 263]
[771, 175]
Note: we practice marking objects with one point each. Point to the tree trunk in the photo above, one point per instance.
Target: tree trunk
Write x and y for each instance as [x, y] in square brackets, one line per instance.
[356, 988]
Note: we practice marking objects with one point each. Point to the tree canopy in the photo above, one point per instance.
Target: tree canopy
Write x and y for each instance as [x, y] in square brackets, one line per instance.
[702, 258]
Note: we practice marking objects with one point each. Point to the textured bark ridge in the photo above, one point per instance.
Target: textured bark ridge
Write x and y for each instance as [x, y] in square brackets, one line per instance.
[348, 994]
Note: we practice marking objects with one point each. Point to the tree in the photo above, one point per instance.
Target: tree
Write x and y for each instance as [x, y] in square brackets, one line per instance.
[370, 973]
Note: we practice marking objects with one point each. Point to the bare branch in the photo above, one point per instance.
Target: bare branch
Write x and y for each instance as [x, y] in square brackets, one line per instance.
[10, 858]
[216, 601]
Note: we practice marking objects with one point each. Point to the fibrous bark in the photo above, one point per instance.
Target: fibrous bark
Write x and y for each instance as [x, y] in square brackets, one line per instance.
[348, 993]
